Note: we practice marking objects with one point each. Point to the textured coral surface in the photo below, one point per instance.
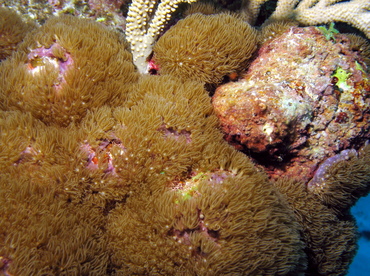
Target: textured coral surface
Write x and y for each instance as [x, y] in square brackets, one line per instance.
[183, 50]
[105, 171]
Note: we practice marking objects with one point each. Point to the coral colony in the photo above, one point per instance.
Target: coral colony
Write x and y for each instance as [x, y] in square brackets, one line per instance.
[180, 138]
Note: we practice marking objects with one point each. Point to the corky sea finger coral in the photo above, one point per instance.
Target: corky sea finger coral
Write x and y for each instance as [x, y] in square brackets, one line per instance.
[145, 21]
[206, 47]
[67, 66]
[313, 12]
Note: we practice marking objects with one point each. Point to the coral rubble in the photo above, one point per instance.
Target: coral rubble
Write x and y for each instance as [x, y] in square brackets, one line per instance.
[105, 171]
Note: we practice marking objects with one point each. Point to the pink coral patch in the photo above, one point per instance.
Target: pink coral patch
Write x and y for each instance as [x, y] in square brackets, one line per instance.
[39, 57]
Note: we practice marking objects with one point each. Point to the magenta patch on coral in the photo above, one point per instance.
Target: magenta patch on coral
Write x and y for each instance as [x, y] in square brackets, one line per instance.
[4, 266]
[321, 173]
[189, 186]
[41, 56]
[170, 132]
[153, 67]
[26, 155]
[100, 157]
[184, 236]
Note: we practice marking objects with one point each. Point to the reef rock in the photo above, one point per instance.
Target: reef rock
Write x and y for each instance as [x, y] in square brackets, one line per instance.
[303, 99]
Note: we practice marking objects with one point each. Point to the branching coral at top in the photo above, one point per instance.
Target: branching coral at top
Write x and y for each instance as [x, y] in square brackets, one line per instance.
[144, 24]
[312, 12]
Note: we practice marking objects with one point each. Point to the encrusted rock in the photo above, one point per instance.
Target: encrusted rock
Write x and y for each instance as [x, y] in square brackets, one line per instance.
[304, 99]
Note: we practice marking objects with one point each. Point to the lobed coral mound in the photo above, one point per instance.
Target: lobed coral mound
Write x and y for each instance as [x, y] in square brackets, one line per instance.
[330, 239]
[183, 51]
[106, 172]
[65, 67]
[208, 223]
[41, 233]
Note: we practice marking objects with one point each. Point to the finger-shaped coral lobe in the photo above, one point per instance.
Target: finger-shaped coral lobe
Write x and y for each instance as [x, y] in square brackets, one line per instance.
[206, 47]
[67, 66]
[208, 223]
[12, 31]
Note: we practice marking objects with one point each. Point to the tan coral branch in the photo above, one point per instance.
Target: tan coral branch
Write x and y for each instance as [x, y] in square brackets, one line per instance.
[312, 12]
[144, 25]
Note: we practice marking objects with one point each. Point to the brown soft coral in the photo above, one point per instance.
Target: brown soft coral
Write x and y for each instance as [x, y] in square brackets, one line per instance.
[107, 173]
[66, 67]
[330, 238]
[197, 206]
[157, 161]
[222, 219]
[42, 233]
[344, 178]
[12, 31]
[206, 47]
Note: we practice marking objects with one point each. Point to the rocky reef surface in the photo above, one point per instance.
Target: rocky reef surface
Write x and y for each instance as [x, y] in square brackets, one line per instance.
[304, 99]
